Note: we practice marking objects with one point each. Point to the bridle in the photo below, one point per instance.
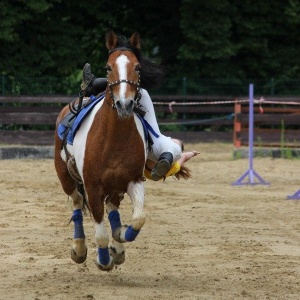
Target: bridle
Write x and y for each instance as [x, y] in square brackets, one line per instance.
[137, 84]
[138, 94]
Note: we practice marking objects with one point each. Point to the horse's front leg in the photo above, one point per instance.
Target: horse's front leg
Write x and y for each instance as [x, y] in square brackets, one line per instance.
[96, 202]
[104, 261]
[124, 234]
[116, 249]
[79, 248]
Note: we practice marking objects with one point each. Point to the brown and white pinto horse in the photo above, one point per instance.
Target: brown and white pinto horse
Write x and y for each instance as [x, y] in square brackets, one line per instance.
[110, 152]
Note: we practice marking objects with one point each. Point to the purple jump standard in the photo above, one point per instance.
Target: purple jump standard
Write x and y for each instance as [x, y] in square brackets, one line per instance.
[250, 172]
[295, 196]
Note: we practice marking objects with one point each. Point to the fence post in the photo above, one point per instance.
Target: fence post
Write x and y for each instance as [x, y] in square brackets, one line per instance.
[237, 127]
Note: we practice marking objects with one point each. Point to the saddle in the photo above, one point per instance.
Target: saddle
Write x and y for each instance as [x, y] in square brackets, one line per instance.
[69, 125]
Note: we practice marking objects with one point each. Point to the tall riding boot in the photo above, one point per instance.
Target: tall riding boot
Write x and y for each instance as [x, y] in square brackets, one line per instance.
[90, 84]
[87, 77]
[163, 166]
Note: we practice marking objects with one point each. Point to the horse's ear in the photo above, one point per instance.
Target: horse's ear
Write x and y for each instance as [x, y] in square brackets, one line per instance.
[111, 40]
[135, 40]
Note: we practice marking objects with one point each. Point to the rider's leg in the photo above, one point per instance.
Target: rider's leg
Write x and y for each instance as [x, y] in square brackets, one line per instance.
[164, 150]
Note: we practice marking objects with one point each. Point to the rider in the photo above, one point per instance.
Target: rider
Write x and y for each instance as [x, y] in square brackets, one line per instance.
[164, 150]
[178, 169]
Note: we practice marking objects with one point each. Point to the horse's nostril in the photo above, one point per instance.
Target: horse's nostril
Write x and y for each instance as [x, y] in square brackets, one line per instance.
[129, 105]
[118, 104]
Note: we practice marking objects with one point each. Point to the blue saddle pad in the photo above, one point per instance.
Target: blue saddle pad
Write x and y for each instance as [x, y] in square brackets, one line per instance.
[70, 130]
[65, 126]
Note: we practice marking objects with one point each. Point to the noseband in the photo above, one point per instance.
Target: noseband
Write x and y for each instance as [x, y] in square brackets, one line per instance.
[138, 94]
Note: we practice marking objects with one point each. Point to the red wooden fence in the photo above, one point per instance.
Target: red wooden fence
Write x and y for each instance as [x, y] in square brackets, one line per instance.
[277, 126]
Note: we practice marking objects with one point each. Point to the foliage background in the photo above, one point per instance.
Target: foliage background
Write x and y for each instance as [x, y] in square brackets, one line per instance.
[45, 43]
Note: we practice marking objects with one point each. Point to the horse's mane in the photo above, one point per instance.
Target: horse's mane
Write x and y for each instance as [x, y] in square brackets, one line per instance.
[151, 73]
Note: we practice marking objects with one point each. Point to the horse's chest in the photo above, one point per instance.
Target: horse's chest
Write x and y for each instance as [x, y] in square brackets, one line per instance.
[115, 167]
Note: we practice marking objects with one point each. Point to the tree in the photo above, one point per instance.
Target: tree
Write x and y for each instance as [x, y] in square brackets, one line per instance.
[207, 30]
[240, 39]
[231, 39]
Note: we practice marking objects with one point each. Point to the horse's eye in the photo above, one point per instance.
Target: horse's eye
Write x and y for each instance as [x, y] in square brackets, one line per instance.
[137, 68]
[108, 68]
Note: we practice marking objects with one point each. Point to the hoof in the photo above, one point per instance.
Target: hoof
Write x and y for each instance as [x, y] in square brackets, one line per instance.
[119, 258]
[107, 267]
[79, 259]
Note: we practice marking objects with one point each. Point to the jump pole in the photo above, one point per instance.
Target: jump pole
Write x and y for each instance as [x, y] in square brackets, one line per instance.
[250, 172]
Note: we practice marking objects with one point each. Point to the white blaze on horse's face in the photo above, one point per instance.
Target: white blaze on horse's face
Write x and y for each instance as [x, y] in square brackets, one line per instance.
[123, 80]
[122, 62]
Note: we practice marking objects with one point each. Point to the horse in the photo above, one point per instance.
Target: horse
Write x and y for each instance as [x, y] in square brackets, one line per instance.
[109, 152]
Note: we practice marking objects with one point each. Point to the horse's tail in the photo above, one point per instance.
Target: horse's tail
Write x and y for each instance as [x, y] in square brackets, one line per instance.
[81, 190]
[184, 173]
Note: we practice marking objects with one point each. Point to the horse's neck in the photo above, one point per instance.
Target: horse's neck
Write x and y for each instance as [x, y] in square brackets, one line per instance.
[112, 133]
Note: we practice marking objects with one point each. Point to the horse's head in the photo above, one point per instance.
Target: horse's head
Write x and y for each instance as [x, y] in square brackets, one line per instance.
[123, 73]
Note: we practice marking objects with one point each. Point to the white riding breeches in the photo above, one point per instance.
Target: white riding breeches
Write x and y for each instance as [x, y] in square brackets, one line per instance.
[162, 143]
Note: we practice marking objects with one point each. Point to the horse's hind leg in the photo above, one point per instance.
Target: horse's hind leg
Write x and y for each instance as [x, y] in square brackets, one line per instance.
[79, 248]
[128, 233]
[69, 185]
[116, 249]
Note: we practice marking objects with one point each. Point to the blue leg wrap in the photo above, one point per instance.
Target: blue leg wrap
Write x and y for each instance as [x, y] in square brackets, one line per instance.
[131, 234]
[103, 254]
[114, 220]
[78, 224]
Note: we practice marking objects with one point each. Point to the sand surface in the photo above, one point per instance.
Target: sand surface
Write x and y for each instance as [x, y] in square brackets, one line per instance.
[203, 238]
